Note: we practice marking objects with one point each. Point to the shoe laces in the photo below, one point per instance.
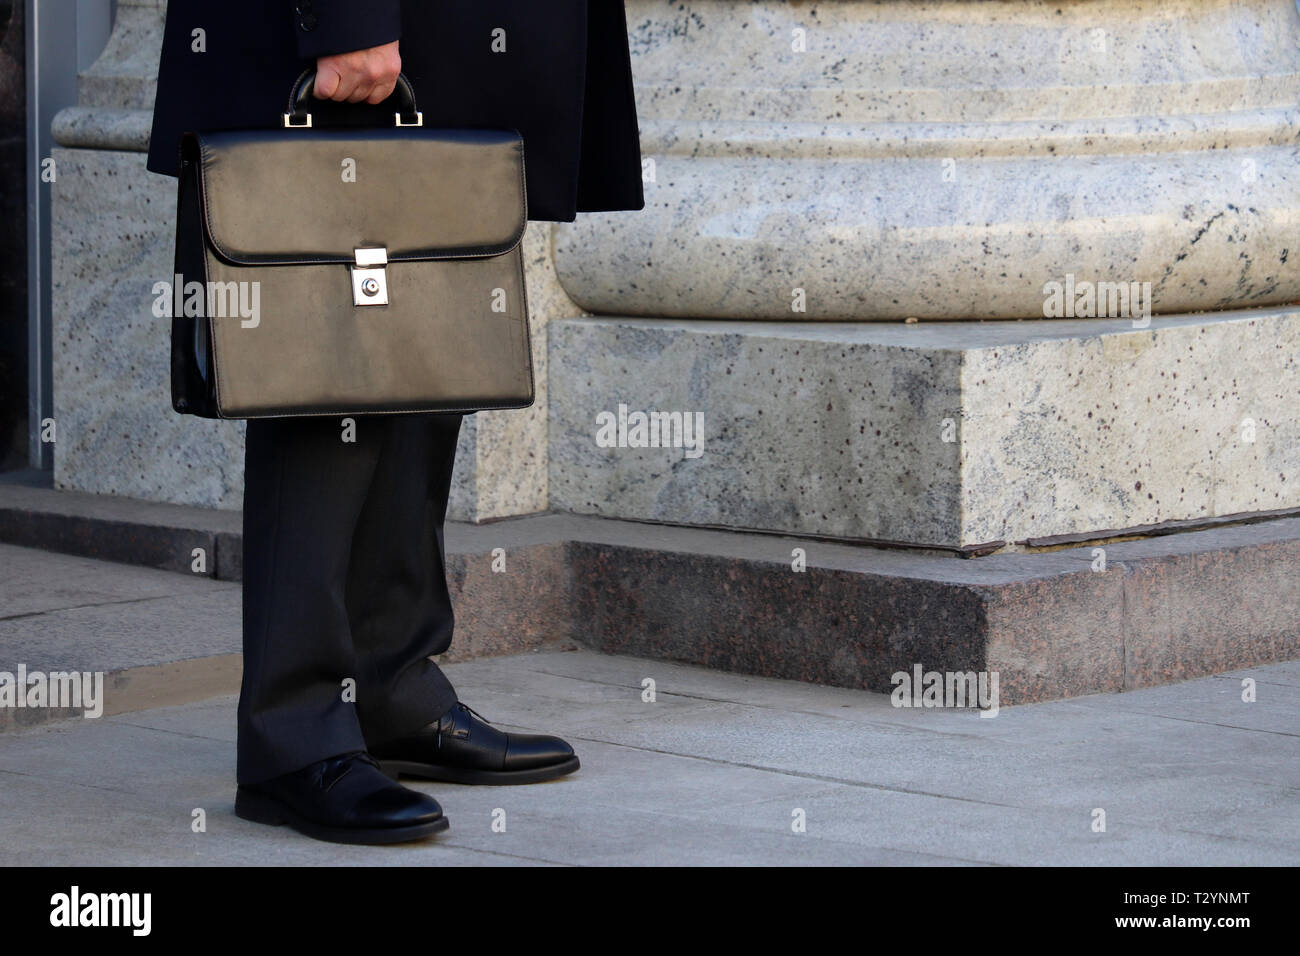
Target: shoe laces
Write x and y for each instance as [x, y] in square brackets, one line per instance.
[461, 706]
[330, 771]
[473, 711]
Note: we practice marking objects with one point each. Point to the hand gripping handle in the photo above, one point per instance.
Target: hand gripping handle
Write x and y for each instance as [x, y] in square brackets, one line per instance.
[298, 116]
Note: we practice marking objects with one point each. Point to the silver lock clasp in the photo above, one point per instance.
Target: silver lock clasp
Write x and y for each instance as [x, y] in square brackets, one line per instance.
[369, 276]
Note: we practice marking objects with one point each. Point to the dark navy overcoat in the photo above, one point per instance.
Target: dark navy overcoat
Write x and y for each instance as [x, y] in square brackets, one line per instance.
[558, 71]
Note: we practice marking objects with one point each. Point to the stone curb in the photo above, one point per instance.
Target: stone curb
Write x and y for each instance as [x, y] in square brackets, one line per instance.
[1165, 609]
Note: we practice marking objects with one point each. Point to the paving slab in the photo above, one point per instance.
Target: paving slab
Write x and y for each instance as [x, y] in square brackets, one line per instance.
[35, 581]
[158, 637]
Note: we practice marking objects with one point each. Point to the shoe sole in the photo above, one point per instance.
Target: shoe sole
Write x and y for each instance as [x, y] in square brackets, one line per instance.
[259, 808]
[496, 778]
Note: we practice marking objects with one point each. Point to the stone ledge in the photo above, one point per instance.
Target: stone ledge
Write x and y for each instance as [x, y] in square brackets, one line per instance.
[944, 435]
[108, 528]
[85, 127]
[1166, 609]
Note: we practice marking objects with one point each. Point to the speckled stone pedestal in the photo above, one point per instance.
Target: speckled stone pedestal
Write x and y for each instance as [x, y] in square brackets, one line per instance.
[870, 162]
[946, 158]
[116, 431]
[952, 435]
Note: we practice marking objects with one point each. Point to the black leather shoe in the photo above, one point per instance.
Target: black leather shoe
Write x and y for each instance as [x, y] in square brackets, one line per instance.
[464, 748]
[343, 799]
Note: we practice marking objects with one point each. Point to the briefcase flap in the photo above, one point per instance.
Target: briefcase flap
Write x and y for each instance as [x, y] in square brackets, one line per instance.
[302, 196]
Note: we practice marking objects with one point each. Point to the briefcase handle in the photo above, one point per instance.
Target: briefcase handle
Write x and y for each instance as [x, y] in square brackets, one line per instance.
[299, 117]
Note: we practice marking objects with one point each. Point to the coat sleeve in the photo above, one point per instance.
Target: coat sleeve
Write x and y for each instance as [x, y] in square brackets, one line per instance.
[325, 27]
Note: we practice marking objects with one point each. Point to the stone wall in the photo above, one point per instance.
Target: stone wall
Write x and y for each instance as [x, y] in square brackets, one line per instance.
[854, 213]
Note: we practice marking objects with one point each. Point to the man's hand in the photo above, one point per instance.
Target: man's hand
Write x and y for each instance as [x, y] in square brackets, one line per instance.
[362, 76]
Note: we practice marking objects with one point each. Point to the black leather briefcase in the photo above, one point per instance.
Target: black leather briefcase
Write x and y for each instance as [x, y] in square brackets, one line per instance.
[350, 270]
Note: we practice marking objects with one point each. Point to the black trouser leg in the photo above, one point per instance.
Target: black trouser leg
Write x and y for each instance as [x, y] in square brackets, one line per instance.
[311, 581]
[304, 488]
[397, 596]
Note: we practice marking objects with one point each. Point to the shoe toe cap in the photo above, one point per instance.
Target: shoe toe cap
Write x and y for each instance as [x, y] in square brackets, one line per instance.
[528, 751]
[396, 806]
